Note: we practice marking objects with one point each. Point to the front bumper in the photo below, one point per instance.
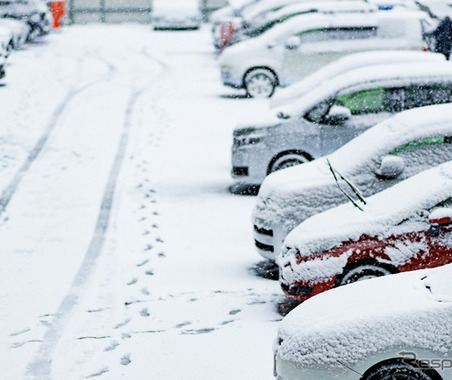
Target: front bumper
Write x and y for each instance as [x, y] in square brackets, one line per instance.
[300, 291]
[230, 78]
[248, 164]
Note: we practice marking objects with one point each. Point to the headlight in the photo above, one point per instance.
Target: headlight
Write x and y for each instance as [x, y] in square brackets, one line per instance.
[248, 140]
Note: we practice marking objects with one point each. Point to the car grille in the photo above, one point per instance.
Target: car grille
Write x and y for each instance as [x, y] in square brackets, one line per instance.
[262, 234]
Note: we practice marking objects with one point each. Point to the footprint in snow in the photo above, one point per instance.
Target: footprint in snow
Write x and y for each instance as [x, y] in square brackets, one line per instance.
[144, 312]
[125, 360]
[132, 281]
[142, 263]
[100, 373]
[122, 324]
[111, 346]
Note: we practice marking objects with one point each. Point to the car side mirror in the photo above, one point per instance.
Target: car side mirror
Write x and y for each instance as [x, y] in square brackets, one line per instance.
[391, 167]
[338, 115]
[441, 217]
[293, 43]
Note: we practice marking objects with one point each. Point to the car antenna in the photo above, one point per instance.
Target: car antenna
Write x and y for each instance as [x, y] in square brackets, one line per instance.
[340, 188]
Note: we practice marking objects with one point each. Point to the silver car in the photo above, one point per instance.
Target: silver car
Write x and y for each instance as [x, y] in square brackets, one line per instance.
[334, 113]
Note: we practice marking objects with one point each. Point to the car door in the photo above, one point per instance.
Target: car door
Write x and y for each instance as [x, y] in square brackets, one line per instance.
[367, 107]
[309, 50]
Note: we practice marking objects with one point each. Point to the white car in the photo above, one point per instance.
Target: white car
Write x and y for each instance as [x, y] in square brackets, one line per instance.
[290, 196]
[6, 41]
[176, 15]
[299, 46]
[34, 12]
[292, 93]
[394, 327]
[19, 29]
[268, 20]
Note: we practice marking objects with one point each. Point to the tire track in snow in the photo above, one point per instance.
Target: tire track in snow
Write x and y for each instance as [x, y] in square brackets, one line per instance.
[41, 366]
[12, 187]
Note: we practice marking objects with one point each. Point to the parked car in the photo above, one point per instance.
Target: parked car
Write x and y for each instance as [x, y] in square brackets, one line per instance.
[332, 114]
[19, 30]
[403, 228]
[292, 93]
[226, 26]
[287, 198]
[395, 327]
[6, 41]
[297, 47]
[2, 65]
[176, 15]
[263, 22]
[34, 12]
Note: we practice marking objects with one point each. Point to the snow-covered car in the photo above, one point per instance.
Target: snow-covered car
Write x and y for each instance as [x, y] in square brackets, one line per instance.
[2, 66]
[289, 197]
[403, 228]
[292, 93]
[34, 12]
[395, 327]
[176, 15]
[268, 20]
[6, 41]
[226, 26]
[332, 114]
[19, 29]
[301, 45]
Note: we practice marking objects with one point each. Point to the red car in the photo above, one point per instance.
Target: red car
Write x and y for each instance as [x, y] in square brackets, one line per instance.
[404, 228]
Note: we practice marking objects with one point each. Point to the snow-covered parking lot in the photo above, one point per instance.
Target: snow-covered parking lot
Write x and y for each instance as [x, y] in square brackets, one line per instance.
[123, 254]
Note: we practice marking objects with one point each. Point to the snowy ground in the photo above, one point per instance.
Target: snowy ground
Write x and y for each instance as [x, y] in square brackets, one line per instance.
[123, 254]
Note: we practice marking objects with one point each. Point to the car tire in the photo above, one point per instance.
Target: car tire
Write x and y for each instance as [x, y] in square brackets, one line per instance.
[396, 369]
[286, 161]
[260, 83]
[363, 271]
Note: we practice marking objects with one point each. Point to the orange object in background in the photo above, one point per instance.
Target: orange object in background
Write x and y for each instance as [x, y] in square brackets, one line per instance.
[58, 9]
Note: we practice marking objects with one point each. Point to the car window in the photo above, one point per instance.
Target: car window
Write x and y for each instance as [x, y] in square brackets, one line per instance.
[371, 101]
[423, 154]
[331, 34]
[446, 203]
[418, 96]
[422, 144]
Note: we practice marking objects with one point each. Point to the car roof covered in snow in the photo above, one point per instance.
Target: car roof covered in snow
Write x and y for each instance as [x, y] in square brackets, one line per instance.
[387, 213]
[344, 64]
[350, 323]
[397, 74]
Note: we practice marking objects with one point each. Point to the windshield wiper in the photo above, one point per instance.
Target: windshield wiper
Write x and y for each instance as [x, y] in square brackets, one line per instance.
[354, 189]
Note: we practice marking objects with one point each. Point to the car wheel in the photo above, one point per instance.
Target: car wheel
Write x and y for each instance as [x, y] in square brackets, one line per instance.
[260, 83]
[287, 161]
[363, 272]
[398, 370]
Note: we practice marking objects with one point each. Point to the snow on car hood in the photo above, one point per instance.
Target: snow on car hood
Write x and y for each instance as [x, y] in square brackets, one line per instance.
[349, 323]
[263, 121]
[289, 196]
[397, 210]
